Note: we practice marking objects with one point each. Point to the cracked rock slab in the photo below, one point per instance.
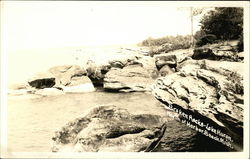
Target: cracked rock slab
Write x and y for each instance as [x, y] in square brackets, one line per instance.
[110, 129]
[211, 90]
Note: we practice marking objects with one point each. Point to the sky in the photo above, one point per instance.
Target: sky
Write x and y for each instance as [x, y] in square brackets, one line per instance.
[53, 24]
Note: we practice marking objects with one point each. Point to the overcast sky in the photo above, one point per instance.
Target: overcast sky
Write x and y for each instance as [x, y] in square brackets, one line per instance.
[58, 24]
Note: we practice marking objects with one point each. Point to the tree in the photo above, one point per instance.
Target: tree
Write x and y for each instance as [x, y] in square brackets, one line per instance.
[225, 23]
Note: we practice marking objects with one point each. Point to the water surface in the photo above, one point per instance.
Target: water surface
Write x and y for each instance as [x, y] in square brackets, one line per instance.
[32, 121]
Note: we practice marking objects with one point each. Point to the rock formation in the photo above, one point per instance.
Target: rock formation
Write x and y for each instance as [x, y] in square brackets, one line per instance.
[208, 90]
[110, 129]
[137, 75]
[224, 52]
[63, 79]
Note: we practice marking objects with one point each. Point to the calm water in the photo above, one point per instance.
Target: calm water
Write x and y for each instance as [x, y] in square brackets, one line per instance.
[32, 121]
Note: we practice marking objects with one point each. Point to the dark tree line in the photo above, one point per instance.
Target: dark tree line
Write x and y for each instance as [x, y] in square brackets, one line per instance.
[222, 23]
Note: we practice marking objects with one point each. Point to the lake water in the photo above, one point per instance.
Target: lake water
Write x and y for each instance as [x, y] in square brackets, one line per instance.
[32, 121]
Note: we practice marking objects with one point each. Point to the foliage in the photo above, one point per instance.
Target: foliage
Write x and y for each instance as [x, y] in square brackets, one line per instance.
[167, 43]
[226, 23]
[220, 24]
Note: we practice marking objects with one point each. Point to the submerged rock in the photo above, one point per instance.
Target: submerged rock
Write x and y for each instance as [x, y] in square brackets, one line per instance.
[210, 91]
[111, 129]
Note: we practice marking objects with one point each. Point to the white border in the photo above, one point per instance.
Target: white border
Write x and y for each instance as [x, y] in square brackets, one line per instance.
[228, 155]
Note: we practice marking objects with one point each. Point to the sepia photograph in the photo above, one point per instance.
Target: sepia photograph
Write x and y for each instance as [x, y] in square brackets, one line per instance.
[125, 79]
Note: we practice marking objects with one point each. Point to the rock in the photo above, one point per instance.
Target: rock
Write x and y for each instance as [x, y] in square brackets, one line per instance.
[49, 92]
[67, 78]
[65, 73]
[97, 71]
[180, 138]
[203, 53]
[169, 60]
[216, 52]
[148, 63]
[210, 91]
[87, 87]
[136, 75]
[79, 80]
[78, 85]
[241, 55]
[129, 79]
[42, 80]
[110, 129]
[166, 70]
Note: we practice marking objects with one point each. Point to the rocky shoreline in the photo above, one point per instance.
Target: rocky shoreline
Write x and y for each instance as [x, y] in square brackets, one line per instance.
[205, 84]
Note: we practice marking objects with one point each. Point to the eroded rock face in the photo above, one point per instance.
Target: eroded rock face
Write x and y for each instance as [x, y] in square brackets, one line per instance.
[209, 90]
[216, 52]
[66, 74]
[97, 69]
[137, 75]
[96, 72]
[163, 60]
[112, 129]
[129, 79]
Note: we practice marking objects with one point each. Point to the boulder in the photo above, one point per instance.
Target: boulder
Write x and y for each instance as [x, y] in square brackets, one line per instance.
[137, 75]
[216, 52]
[166, 70]
[79, 84]
[163, 60]
[129, 79]
[210, 91]
[42, 80]
[96, 72]
[110, 129]
[180, 138]
[65, 73]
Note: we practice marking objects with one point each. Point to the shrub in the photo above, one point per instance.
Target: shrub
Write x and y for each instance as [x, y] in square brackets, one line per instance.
[167, 43]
